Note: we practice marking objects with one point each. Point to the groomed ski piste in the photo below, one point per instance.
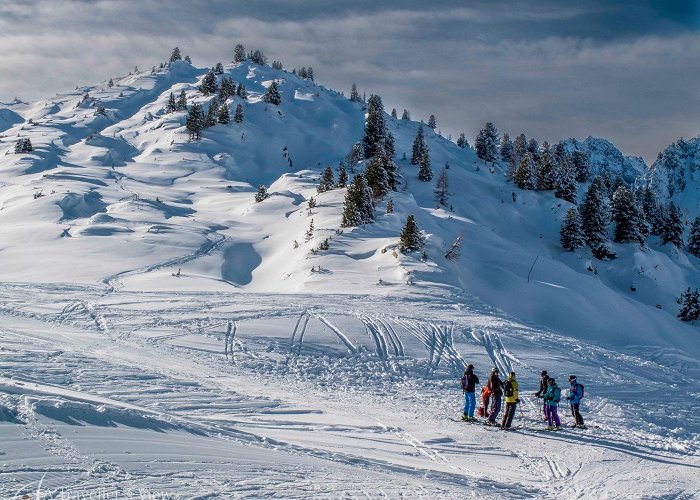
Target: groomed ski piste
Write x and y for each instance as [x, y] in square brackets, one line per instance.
[161, 336]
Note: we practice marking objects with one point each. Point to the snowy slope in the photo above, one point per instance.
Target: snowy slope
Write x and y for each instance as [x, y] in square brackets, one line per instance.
[97, 220]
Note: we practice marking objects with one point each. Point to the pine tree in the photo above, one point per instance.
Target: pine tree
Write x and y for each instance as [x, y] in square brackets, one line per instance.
[565, 188]
[520, 146]
[534, 149]
[354, 94]
[239, 53]
[212, 113]
[357, 209]
[310, 232]
[356, 154]
[262, 194]
[442, 193]
[188, 60]
[425, 173]
[182, 101]
[690, 305]
[411, 239]
[507, 148]
[110, 84]
[626, 216]
[326, 182]
[242, 92]
[23, 145]
[256, 56]
[694, 238]
[546, 175]
[392, 171]
[195, 122]
[525, 174]
[218, 69]
[276, 65]
[419, 147]
[486, 143]
[462, 141]
[388, 145]
[390, 206]
[571, 233]
[227, 89]
[394, 115]
[224, 117]
[582, 165]
[405, 115]
[432, 122]
[171, 107]
[209, 85]
[672, 231]
[595, 218]
[376, 177]
[342, 177]
[238, 116]
[273, 94]
[175, 56]
[375, 126]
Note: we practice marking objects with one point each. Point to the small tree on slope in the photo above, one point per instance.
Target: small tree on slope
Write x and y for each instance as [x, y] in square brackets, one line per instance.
[626, 216]
[425, 173]
[571, 234]
[357, 208]
[486, 143]
[672, 231]
[273, 94]
[694, 238]
[690, 305]
[411, 239]
[595, 218]
[442, 193]
[195, 122]
[419, 147]
[326, 182]
[375, 126]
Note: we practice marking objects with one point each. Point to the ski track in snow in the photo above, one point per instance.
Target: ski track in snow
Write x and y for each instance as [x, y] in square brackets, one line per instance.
[83, 368]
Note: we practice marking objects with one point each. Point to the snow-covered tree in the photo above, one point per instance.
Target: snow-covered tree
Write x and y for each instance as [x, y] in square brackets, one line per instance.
[565, 188]
[182, 101]
[175, 55]
[411, 238]
[342, 177]
[507, 148]
[209, 84]
[520, 147]
[394, 114]
[242, 92]
[273, 94]
[405, 115]
[261, 194]
[486, 143]
[419, 147]
[356, 154]
[238, 115]
[582, 164]
[432, 122]
[546, 175]
[357, 208]
[239, 53]
[376, 177]
[256, 56]
[388, 145]
[595, 218]
[525, 174]
[571, 233]
[212, 113]
[425, 173]
[690, 305]
[110, 84]
[626, 216]
[224, 116]
[326, 181]
[171, 107]
[188, 60]
[227, 89]
[462, 141]
[390, 206]
[354, 94]
[195, 122]
[23, 145]
[218, 69]
[442, 193]
[533, 148]
[375, 126]
[694, 238]
[672, 231]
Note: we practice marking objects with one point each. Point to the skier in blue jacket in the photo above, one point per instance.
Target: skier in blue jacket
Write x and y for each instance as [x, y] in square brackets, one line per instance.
[469, 382]
[574, 398]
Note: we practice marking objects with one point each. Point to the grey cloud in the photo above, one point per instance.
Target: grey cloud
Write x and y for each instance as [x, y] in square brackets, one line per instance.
[547, 70]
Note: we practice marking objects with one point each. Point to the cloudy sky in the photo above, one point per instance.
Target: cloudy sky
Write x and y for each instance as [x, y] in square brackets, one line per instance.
[627, 70]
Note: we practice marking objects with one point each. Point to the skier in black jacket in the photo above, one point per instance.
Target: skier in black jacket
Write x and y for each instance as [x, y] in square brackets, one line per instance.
[543, 388]
[469, 381]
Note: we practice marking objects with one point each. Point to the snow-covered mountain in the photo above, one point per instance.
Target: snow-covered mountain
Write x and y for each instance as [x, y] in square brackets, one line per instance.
[606, 159]
[674, 175]
[135, 254]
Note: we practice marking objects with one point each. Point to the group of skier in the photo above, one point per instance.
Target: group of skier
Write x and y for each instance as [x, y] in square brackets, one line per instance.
[496, 390]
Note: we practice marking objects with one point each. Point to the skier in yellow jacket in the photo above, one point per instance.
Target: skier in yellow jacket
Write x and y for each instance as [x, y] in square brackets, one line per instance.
[510, 391]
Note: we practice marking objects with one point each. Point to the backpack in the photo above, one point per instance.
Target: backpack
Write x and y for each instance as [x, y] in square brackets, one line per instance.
[465, 382]
[508, 389]
[556, 394]
[581, 386]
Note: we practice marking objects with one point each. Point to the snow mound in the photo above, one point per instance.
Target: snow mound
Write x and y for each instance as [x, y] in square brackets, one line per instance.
[76, 206]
